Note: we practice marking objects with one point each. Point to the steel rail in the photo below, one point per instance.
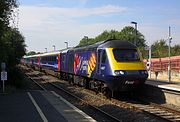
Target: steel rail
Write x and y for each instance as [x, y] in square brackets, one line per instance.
[36, 82]
[148, 108]
[96, 108]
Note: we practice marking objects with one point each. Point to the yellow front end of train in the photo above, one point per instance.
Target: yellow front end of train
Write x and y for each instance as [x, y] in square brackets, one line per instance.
[127, 69]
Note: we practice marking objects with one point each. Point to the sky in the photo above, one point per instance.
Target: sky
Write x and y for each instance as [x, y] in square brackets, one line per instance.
[45, 23]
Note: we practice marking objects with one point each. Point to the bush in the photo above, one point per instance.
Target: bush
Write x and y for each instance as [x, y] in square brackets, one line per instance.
[16, 78]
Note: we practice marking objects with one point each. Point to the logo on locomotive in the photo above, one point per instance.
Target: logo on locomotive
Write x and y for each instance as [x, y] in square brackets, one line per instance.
[83, 65]
[91, 64]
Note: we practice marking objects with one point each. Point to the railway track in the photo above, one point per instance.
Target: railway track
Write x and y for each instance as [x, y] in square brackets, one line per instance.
[72, 95]
[153, 109]
[160, 113]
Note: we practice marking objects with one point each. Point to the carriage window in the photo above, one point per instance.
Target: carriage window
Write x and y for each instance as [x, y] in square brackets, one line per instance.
[103, 58]
[126, 55]
[99, 56]
[64, 59]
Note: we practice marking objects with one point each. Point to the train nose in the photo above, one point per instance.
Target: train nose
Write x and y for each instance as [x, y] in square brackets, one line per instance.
[127, 80]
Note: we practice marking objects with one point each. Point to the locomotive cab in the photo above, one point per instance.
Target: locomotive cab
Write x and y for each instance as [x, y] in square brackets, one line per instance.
[120, 66]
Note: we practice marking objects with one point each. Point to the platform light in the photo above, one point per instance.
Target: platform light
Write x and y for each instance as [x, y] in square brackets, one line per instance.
[66, 44]
[135, 23]
[169, 64]
[54, 47]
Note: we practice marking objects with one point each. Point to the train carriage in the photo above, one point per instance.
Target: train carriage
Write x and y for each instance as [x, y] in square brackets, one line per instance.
[50, 61]
[27, 60]
[111, 65]
[35, 59]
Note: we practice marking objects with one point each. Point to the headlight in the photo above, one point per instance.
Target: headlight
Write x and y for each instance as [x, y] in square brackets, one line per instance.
[144, 72]
[119, 72]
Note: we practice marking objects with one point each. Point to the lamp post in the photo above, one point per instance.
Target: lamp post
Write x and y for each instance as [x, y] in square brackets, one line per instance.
[46, 50]
[135, 23]
[54, 47]
[169, 64]
[66, 44]
[150, 61]
[86, 37]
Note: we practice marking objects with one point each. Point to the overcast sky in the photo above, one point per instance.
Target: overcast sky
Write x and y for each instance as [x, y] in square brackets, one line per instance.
[45, 23]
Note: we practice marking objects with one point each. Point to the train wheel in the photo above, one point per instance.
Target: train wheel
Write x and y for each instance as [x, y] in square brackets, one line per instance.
[70, 79]
[96, 90]
[108, 93]
[86, 80]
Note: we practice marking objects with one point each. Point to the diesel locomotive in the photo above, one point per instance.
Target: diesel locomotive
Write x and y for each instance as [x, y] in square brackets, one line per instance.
[107, 66]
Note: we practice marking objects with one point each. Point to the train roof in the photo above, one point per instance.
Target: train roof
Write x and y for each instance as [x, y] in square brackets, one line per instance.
[43, 54]
[115, 43]
[31, 56]
[111, 43]
[51, 53]
[66, 50]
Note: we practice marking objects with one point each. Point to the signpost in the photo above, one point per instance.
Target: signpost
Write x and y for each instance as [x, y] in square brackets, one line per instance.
[3, 73]
[149, 62]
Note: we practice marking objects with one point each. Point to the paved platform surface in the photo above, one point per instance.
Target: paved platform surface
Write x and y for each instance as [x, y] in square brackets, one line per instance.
[164, 85]
[38, 106]
[163, 92]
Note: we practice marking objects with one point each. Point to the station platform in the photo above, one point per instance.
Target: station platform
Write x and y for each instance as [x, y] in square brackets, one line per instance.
[162, 92]
[39, 106]
[172, 86]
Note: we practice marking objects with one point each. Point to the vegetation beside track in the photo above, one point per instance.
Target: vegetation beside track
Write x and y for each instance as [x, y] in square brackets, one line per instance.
[18, 81]
[12, 44]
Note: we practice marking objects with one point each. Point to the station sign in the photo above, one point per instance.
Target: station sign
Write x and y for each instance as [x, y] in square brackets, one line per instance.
[3, 76]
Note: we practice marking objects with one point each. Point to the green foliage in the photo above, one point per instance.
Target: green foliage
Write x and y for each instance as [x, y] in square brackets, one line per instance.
[15, 78]
[130, 34]
[175, 50]
[107, 35]
[12, 46]
[31, 53]
[127, 34]
[6, 10]
[159, 49]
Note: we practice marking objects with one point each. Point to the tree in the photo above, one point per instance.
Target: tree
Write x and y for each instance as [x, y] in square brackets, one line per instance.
[160, 49]
[103, 36]
[6, 9]
[175, 50]
[85, 41]
[31, 53]
[129, 34]
[13, 47]
[112, 34]
[126, 34]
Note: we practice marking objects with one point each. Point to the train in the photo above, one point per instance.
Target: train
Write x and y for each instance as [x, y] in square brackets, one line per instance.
[108, 66]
